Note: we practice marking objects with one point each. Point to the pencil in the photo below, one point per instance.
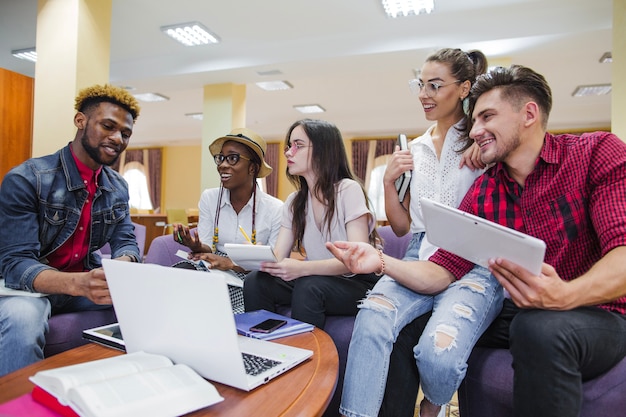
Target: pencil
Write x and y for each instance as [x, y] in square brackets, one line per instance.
[243, 232]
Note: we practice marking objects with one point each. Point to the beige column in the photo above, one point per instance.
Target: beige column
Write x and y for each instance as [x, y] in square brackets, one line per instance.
[618, 68]
[224, 110]
[73, 44]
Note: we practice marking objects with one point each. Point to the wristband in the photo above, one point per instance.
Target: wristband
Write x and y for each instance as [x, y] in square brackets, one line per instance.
[382, 264]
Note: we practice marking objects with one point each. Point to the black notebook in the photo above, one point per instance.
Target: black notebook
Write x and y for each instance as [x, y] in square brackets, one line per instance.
[403, 181]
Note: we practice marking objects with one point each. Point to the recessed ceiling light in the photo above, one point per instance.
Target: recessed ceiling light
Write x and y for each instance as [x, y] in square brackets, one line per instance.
[190, 34]
[606, 58]
[592, 90]
[195, 116]
[150, 97]
[274, 85]
[395, 8]
[309, 108]
[269, 72]
[29, 54]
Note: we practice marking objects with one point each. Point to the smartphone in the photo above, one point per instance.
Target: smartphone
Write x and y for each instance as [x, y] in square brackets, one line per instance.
[268, 326]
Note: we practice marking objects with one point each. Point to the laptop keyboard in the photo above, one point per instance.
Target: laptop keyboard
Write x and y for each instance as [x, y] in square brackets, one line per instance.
[256, 365]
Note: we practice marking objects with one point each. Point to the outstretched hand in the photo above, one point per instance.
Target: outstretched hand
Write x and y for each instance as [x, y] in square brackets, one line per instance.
[358, 257]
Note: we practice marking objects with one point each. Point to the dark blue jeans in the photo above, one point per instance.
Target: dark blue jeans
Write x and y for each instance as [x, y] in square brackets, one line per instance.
[555, 351]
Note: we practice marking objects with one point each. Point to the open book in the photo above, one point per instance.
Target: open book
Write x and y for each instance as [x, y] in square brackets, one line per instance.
[128, 385]
[231, 277]
[245, 321]
[10, 292]
[404, 180]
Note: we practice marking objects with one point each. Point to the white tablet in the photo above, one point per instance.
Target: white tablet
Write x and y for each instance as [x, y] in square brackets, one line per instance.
[479, 240]
[250, 257]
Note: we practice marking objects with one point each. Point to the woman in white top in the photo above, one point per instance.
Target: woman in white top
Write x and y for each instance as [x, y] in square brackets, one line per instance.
[328, 204]
[460, 313]
[238, 201]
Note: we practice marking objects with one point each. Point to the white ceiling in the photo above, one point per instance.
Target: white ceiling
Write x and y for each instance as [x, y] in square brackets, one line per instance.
[345, 55]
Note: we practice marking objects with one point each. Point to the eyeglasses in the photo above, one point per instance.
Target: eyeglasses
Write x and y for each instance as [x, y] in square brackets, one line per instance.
[295, 147]
[432, 88]
[232, 158]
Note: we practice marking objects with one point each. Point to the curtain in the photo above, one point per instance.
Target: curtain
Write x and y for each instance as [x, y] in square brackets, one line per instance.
[271, 157]
[362, 157]
[151, 159]
[360, 149]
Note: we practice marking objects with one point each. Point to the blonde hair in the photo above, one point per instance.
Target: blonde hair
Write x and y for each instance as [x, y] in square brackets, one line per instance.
[94, 95]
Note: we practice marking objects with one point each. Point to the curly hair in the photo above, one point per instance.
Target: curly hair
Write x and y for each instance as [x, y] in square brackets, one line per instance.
[92, 96]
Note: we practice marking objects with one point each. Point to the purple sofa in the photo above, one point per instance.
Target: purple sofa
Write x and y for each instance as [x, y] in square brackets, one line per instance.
[162, 251]
[487, 390]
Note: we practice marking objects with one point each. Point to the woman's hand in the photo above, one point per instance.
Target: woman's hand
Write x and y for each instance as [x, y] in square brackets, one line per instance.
[183, 235]
[400, 162]
[288, 269]
[471, 158]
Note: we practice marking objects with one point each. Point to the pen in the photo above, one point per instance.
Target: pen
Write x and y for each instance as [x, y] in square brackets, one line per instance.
[243, 232]
[180, 239]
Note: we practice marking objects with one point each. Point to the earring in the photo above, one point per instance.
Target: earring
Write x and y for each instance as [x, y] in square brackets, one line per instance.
[466, 106]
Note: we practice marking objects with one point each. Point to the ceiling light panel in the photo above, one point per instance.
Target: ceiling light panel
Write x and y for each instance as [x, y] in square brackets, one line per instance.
[274, 85]
[606, 58]
[592, 90]
[309, 108]
[195, 116]
[150, 97]
[28, 54]
[190, 34]
[398, 8]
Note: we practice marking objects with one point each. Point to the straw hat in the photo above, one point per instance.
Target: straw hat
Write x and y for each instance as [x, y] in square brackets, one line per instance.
[246, 137]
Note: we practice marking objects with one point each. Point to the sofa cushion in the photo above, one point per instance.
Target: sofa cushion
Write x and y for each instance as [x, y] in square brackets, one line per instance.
[65, 330]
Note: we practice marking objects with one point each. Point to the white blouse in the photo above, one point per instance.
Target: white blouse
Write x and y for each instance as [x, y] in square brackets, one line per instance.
[437, 179]
[268, 217]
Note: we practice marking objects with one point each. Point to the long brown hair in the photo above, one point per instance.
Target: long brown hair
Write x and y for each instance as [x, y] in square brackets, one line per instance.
[330, 163]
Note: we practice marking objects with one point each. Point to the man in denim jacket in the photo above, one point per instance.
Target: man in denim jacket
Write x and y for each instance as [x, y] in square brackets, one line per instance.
[55, 211]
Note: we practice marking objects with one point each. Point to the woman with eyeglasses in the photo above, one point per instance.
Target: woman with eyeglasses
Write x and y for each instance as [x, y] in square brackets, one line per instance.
[328, 204]
[238, 202]
[444, 163]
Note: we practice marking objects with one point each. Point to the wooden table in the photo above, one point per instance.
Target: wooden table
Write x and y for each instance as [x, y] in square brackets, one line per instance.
[303, 391]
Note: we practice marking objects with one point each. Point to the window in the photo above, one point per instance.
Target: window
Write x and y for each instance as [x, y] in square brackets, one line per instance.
[375, 189]
[135, 174]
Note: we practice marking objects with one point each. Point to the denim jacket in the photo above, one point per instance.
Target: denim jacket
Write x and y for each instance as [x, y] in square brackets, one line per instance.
[40, 205]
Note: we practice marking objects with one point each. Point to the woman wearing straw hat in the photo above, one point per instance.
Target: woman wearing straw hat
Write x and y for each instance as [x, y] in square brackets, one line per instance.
[238, 202]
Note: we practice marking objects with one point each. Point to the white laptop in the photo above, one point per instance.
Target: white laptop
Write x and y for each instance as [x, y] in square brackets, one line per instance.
[479, 240]
[186, 315]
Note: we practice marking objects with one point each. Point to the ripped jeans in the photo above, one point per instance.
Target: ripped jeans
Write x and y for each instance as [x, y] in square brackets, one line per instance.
[460, 315]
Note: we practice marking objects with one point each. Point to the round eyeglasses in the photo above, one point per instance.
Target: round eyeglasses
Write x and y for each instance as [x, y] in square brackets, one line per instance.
[232, 158]
[431, 87]
[295, 147]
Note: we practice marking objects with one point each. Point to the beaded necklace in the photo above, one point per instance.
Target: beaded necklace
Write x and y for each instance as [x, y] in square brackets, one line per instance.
[217, 218]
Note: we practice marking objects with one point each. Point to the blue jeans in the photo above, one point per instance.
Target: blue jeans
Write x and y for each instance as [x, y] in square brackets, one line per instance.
[460, 314]
[24, 324]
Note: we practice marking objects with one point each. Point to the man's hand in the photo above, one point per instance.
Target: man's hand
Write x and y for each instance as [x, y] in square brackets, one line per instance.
[546, 291]
[358, 257]
[94, 286]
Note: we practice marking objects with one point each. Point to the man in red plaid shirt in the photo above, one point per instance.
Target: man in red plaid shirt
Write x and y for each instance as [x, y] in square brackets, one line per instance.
[568, 324]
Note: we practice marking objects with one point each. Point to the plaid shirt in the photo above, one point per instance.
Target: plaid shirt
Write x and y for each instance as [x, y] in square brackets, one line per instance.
[574, 200]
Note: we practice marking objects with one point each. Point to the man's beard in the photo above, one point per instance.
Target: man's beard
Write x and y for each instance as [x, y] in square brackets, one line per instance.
[94, 152]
